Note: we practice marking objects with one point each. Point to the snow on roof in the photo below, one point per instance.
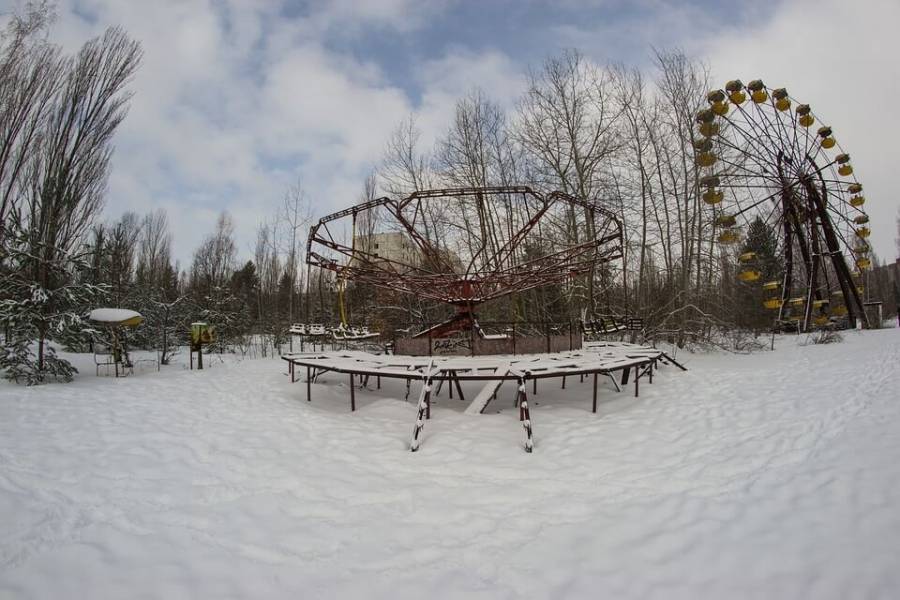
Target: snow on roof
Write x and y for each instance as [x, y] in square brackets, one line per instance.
[115, 316]
[600, 357]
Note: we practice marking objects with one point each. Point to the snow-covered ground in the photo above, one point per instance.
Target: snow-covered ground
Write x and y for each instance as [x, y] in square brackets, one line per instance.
[774, 475]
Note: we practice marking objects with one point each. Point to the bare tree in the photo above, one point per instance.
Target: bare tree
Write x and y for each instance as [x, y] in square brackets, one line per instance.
[296, 214]
[215, 258]
[477, 150]
[631, 96]
[154, 250]
[119, 254]
[682, 84]
[568, 125]
[897, 240]
[567, 122]
[405, 169]
[30, 76]
[269, 272]
[68, 170]
[68, 173]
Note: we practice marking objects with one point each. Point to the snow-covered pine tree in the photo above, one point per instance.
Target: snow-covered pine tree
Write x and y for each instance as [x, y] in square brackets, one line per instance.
[169, 323]
[761, 240]
[43, 293]
[34, 310]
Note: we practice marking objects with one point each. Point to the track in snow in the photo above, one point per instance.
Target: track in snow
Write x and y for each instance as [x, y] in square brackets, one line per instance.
[771, 475]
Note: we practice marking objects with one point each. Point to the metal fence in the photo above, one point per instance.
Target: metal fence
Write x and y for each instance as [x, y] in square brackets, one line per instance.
[495, 337]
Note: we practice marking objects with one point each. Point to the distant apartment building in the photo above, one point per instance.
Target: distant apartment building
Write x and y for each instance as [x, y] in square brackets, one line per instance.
[392, 246]
[398, 249]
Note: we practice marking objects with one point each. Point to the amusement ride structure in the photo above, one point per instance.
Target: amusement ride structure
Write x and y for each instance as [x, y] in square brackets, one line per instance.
[765, 155]
[766, 163]
[465, 247]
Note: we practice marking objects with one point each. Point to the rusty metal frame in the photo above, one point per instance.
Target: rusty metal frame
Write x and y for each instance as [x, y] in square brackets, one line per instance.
[437, 279]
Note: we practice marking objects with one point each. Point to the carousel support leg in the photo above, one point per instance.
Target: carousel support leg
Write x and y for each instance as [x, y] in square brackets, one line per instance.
[615, 382]
[564, 382]
[421, 414]
[637, 376]
[458, 387]
[352, 395]
[308, 385]
[534, 386]
[594, 408]
[525, 416]
[378, 381]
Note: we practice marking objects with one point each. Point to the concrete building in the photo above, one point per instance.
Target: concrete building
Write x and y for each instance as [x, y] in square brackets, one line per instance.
[392, 246]
[398, 247]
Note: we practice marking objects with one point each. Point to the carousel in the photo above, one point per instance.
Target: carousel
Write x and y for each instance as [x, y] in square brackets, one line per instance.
[465, 248]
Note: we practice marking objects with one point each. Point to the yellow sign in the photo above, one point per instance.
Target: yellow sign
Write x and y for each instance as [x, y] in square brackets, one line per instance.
[202, 333]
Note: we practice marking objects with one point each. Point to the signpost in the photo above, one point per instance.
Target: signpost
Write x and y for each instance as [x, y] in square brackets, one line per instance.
[201, 333]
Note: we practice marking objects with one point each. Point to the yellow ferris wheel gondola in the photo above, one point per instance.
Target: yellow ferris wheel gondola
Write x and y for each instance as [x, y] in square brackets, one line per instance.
[735, 91]
[729, 236]
[804, 116]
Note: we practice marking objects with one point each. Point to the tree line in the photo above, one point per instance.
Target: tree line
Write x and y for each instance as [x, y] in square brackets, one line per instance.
[617, 134]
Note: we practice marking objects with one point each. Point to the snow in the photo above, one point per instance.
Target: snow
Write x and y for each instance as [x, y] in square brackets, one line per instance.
[606, 357]
[113, 315]
[480, 402]
[772, 475]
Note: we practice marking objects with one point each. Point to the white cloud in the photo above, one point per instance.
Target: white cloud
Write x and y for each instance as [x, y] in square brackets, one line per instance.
[232, 103]
[832, 54]
[402, 16]
[836, 57]
[236, 100]
[451, 76]
[311, 102]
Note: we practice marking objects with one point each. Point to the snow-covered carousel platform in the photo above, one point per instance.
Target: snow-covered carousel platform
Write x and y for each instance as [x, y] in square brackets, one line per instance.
[618, 361]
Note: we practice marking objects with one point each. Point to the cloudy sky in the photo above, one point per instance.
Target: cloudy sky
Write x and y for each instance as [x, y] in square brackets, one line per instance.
[237, 99]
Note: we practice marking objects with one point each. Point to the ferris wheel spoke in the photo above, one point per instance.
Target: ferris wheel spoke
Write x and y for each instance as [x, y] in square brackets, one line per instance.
[781, 134]
[746, 156]
[754, 138]
[749, 172]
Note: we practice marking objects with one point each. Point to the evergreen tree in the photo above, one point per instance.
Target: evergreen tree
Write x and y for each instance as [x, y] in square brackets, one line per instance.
[35, 309]
[762, 241]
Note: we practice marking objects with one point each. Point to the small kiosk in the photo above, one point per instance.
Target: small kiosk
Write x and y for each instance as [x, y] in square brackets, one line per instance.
[113, 352]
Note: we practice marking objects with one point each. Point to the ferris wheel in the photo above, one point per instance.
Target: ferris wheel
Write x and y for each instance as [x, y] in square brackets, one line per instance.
[772, 170]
